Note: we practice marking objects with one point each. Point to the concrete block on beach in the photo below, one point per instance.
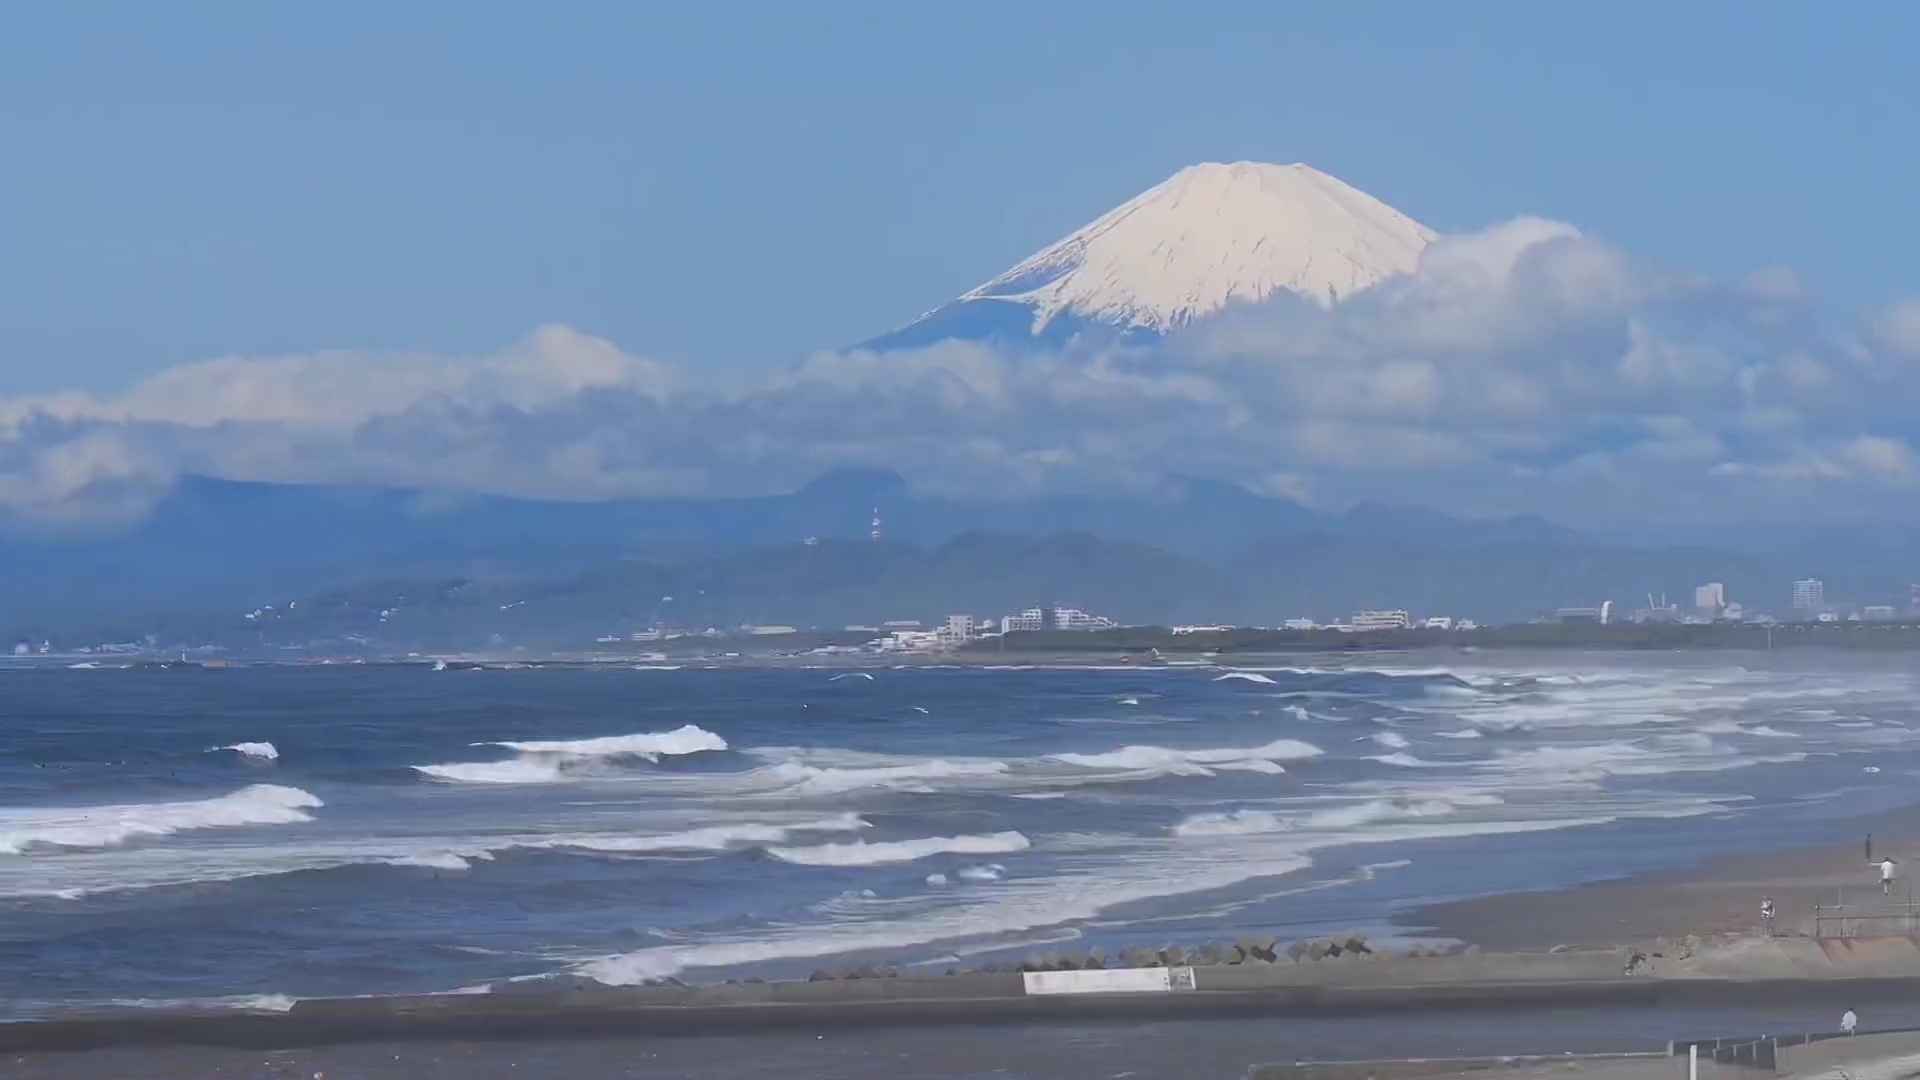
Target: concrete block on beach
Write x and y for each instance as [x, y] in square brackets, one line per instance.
[1138, 957]
[1261, 948]
[1218, 952]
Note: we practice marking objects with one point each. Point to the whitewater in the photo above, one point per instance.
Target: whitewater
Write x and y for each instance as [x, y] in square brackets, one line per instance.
[390, 831]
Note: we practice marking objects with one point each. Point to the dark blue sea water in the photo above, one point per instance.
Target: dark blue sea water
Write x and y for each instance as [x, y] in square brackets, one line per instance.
[398, 829]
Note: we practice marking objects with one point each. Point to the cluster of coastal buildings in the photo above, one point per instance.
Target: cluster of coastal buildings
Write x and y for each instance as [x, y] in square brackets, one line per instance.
[1712, 605]
[959, 630]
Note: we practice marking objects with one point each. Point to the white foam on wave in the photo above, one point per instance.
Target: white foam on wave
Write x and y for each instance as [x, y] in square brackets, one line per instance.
[711, 838]
[1734, 727]
[862, 853]
[988, 872]
[985, 918]
[653, 745]
[1199, 762]
[1244, 822]
[259, 751]
[1372, 811]
[25, 828]
[796, 778]
[548, 761]
[1407, 761]
[268, 1003]
[1468, 733]
[1244, 676]
[1651, 756]
[1231, 823]
[807, 772]
[439, 860]
[80, 874]
[511, 771]
[868, 676]
[1391, 739]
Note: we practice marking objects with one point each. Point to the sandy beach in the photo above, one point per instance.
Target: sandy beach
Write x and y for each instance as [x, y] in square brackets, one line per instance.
[1716, 897]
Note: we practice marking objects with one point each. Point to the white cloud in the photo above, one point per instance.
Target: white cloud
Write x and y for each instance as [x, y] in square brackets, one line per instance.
[552, 365]
[1527, 367]
[1883, 456]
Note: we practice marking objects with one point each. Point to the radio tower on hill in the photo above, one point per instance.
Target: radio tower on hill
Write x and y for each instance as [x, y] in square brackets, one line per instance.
[875, 534]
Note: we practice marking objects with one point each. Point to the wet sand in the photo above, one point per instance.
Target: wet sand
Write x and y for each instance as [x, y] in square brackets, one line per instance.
[1716, 897]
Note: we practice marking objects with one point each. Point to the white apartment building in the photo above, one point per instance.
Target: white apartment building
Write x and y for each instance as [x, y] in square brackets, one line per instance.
[1031, 621]
[1710, 599]
[1809, 595]
[1067, 618]
[1381, 620]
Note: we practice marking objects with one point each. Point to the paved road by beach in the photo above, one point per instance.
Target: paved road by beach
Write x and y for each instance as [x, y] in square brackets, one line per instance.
[1185, 1050]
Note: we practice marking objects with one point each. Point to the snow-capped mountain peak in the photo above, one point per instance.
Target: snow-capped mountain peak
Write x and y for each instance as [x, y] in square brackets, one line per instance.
[1209, 236]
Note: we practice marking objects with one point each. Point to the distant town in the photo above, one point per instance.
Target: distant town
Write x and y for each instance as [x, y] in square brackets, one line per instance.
[1712, 606]
[1807, 606]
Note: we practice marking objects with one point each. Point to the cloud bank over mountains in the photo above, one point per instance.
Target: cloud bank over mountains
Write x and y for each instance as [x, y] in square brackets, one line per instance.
[1522, 368]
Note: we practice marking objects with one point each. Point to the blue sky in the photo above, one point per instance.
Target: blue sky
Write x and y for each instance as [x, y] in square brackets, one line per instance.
[588, 250]
[732, 186]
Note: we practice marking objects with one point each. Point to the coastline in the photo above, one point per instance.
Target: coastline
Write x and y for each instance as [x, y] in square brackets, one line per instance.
[1714, 897]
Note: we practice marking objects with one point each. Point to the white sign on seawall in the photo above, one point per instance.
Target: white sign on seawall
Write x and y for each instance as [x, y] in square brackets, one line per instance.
[1114, 981]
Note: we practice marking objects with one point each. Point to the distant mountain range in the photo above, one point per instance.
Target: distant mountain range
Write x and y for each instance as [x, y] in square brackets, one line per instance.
[489, 572]
[226, 544]
[1209, 236]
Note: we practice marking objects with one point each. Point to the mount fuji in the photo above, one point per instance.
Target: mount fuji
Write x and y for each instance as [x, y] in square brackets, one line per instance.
[1209, 236]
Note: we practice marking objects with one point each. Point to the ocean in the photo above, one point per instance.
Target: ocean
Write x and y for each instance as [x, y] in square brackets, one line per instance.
[255, 835]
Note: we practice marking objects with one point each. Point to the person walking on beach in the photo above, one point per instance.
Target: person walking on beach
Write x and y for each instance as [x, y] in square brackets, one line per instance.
[1849, 1022]
[1766, 914]
[1886, 877]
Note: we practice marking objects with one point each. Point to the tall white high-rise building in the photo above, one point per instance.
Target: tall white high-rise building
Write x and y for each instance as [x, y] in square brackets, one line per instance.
[1710, 599]
[1809, 595]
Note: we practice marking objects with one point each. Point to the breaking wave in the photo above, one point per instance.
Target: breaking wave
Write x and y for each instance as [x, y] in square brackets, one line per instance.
[22, 829]
[1351, 815]
[259, 751]
[800, 779]
[1166, 760]
[1406, 761]
[1244, 676]
[686, 739]
[1231, 823]
[548, 761]
[439, 860]
[712, 838]
[861, 853]
[1372, 811]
